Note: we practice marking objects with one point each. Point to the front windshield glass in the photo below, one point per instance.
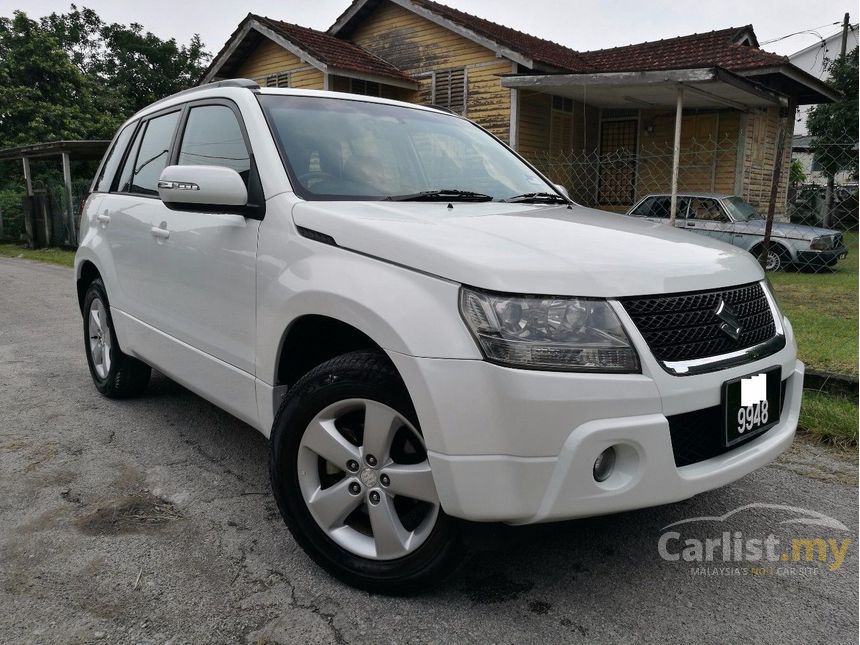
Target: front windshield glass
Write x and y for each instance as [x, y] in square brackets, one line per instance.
[740, 210]
[346, 149]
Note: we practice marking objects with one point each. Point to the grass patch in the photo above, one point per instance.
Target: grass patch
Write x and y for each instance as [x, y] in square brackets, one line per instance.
[829, 419]
[823, 310]
[53, 256]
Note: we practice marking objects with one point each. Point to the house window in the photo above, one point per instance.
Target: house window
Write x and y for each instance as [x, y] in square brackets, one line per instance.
[365, 88]
[562, 104]
[561, 125]
[617, 178]
[449, 89]
[281, 79]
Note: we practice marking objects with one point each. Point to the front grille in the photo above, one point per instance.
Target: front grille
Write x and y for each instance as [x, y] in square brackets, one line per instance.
[700, 434]
[685, 326]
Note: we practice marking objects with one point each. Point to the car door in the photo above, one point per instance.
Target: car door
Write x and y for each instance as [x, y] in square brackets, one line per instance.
[129, 213]
[206, 262]
[707, 217]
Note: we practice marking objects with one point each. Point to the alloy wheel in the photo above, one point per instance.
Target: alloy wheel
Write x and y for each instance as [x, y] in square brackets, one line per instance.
[99, 335]
[365, 478]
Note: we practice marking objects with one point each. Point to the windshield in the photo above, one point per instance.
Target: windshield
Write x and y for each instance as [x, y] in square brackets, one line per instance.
[740, 210]
[346, 149]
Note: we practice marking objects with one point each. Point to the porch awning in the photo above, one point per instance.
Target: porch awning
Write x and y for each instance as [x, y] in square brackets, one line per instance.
[711, 87]
[80, 149]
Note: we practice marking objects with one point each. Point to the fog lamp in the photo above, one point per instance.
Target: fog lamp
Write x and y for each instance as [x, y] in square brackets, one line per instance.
[604, 464]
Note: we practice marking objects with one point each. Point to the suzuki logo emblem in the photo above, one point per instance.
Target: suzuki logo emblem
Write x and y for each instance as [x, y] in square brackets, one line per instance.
[730, 325]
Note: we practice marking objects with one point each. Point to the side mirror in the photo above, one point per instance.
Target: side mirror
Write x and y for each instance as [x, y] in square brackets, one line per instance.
[562, 190]
[212, 189]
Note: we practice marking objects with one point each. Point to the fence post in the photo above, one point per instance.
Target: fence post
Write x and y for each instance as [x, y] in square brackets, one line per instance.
[774, 188]
[70, 213]
[30, 207]
[676, 154]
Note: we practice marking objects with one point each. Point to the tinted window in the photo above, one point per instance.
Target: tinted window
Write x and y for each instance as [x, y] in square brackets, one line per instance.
[213, 138]
[153, 154]
[111, 163]
[125, 176]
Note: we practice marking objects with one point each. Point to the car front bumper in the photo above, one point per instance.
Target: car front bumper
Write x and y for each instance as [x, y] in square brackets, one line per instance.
[518, 446]
[821, 258]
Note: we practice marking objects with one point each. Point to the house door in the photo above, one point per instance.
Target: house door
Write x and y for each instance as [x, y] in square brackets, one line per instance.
[617, 179]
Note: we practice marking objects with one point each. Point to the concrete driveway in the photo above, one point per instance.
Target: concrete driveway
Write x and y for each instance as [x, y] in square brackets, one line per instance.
[151, 521]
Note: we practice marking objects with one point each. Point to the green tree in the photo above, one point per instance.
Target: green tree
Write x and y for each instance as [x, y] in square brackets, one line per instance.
[833, 126]
[796, 176]
[133, 67]
[43, 95]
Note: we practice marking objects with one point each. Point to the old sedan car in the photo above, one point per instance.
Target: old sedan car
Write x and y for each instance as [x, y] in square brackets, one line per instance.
[731, 219]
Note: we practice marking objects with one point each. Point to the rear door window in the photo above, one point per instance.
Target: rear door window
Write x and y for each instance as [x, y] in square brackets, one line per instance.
[150, 156]
[112, 161]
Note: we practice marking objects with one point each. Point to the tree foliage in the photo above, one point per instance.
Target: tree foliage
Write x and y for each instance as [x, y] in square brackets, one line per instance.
[43, 95]
[833, 126]
[73, 76]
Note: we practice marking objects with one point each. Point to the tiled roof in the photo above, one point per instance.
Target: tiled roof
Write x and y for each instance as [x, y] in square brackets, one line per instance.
[538, 49]
[712, 49]
[331, 50]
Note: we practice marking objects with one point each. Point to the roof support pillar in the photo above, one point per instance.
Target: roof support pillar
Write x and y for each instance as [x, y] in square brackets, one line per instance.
[70, 212]
[28, 178]
[676, 153]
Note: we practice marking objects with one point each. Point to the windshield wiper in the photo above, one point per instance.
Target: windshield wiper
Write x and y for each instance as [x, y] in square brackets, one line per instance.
[442, 195]
[544, 198]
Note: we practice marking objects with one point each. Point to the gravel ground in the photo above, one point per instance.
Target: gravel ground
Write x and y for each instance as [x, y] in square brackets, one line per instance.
[151, 521]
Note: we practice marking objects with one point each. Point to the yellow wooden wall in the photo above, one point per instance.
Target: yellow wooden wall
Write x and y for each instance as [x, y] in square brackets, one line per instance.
[419, 46]
[270, 58]
[709, 148]
[760, 136]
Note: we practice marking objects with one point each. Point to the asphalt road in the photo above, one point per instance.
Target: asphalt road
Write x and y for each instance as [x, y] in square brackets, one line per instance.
[151, 521]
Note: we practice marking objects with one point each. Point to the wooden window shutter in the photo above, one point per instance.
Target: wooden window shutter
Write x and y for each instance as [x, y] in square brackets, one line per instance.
[281, 79]
[449, 89]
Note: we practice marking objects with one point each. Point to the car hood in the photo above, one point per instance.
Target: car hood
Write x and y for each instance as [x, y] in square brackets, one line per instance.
[784, 229]
[532, 248]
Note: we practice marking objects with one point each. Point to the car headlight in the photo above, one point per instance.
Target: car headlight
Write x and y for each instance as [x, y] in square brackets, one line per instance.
[821, 243]
[539, 332]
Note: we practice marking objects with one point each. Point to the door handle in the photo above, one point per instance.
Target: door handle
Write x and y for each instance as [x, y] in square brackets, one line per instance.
[691, 223]
[104, 218]
[159, 233]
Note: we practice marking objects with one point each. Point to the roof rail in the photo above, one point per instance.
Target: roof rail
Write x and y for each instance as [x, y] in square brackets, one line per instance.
[444, 109]
[230, 82]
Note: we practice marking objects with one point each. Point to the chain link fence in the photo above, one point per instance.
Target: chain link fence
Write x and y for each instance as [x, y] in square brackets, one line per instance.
[724, 192]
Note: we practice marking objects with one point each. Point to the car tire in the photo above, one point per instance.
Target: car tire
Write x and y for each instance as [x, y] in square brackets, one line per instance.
[778, 258]
[114, 374]
[357, 540]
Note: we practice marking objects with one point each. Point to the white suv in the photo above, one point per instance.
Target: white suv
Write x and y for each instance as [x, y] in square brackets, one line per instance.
[427, 329]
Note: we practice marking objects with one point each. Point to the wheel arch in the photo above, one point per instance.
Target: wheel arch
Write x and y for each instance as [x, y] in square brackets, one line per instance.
[86, 272]
[312, 339]
[757, 247]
